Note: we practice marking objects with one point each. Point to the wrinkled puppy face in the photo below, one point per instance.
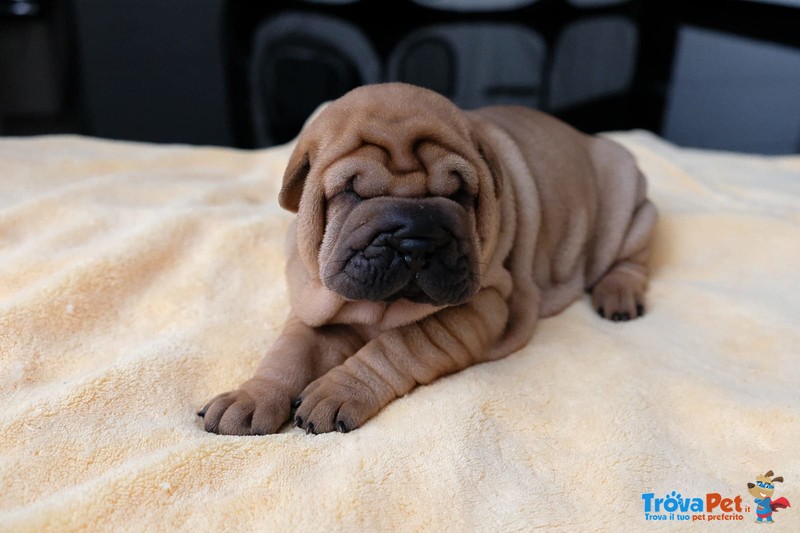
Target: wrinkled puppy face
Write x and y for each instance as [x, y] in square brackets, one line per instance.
[392, 235]
[398, 181]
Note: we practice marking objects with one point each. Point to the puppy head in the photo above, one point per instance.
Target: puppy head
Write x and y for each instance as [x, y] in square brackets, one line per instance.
[396, 195]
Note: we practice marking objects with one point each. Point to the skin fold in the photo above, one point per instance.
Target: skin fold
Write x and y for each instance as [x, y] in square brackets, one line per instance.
[429, 239]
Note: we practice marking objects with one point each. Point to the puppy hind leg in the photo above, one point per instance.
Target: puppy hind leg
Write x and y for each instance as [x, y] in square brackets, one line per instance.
[619, 294]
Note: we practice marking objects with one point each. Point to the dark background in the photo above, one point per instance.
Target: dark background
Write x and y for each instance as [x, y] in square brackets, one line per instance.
[719, 74]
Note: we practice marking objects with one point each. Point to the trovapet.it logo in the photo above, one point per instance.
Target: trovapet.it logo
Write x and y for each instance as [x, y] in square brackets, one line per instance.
[711, 506]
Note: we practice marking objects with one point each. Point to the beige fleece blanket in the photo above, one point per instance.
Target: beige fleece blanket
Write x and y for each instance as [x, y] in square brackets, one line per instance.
[138, 281]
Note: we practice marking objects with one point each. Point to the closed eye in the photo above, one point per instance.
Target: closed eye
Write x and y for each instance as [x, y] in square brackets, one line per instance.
[463, 198]
[349, 187]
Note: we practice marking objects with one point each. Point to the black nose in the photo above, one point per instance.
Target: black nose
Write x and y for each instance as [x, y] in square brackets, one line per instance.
[416, 252]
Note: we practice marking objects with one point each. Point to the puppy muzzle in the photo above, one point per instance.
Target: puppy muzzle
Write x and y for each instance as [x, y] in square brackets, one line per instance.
[394, 248]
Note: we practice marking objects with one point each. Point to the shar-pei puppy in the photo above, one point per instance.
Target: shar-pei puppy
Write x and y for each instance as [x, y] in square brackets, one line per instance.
[428, 239]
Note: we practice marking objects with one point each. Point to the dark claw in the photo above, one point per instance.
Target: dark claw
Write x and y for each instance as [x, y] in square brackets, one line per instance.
[341, 427]
[626, 316]
[601, 312]
[296, 403]
[298, 422]
[616, 317]
[201, 413]
[310, 428]
[639, 310]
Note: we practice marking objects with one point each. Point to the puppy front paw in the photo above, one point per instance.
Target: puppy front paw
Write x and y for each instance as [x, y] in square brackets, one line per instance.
[335, 402]
[258, 407]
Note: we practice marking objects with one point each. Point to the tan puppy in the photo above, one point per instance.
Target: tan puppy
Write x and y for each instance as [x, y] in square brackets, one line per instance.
[429, 239]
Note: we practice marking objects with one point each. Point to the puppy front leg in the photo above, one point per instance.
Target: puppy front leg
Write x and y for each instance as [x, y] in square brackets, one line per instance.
[397, 360]
[263, 403]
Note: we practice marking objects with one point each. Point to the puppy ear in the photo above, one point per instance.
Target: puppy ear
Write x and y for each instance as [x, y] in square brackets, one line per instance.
[751, 485]
[294, 179]
[779, 478]
[768, 473]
